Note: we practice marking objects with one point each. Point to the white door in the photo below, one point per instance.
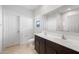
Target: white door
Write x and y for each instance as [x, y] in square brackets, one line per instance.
[26, 29]
[11, 30]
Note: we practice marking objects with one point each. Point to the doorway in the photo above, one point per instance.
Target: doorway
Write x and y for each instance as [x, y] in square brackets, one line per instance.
[11, 30]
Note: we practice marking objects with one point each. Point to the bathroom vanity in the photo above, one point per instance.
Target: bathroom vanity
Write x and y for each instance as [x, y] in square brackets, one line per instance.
[46, 44]
[65, 25]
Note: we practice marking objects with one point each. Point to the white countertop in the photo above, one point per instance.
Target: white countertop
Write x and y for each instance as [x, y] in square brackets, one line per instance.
[72, 44]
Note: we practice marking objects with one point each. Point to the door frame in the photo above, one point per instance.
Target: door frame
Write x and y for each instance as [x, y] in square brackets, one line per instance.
[18, 24]
[18, 30]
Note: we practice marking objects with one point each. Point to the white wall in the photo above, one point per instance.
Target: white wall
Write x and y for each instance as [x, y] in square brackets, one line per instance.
[26, 28]
[40, 14]
[24, 14]
[0, 28]
[53, 23]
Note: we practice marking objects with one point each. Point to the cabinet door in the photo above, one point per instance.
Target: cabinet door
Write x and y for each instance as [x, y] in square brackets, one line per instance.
[37, 44]
[50, 49]
[42, 46]
[67, 51]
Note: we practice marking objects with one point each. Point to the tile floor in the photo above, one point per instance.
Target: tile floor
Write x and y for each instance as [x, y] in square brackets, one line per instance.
[20, 49]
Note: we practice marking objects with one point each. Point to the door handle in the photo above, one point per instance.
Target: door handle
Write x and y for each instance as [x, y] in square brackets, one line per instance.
[18, 31]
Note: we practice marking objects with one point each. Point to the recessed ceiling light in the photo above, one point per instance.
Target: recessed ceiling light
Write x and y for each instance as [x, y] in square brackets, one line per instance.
[69, 9]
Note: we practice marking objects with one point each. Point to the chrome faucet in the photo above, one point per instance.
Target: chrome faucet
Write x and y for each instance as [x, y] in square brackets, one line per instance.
[63, 37]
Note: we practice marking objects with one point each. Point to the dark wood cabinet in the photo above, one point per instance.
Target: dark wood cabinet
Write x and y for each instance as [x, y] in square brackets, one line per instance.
[44, 46]
[37, 44]
[59, 49]
[65, 50]
[40, 44]
[50, 50]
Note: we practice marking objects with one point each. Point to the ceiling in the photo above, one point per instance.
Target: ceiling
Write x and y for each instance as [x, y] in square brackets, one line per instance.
[64, 9]
[31, 7]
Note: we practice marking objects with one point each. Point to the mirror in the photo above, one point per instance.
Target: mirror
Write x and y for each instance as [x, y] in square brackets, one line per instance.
[60, 20]
[63, 21]
[71, 22]
[38, 23]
